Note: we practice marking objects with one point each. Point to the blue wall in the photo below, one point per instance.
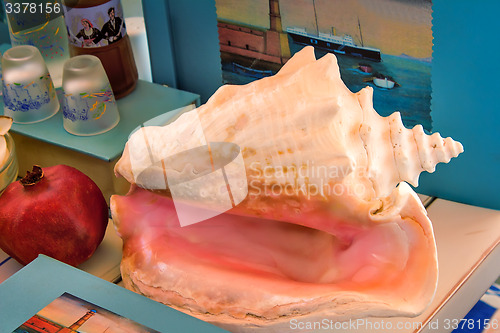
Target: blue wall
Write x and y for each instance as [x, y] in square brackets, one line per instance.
[184, 44]
[465, 100]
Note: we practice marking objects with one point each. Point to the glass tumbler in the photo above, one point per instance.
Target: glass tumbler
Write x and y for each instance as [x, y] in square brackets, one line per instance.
[8, 161]
[28, 91]
[88, 103]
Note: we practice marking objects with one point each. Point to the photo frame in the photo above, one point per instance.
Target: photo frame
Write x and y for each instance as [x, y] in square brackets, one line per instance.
[45, 279]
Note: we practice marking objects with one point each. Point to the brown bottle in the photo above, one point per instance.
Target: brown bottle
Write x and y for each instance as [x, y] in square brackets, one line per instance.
[97, 27]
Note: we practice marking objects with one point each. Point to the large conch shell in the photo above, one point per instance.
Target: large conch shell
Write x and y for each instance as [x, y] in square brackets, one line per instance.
[328, 227]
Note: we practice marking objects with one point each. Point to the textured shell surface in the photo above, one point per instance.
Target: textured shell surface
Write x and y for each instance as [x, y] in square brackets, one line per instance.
[306, 211]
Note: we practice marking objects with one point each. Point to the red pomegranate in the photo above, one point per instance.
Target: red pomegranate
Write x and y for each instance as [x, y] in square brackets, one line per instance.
[58, 211]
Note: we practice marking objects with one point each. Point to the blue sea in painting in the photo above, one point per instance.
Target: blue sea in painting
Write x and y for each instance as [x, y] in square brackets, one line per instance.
[411, 95]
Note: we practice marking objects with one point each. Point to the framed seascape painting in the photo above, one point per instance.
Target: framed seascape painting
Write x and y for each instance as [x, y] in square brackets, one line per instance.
[69, 313]
[385, 44]
[49, 296]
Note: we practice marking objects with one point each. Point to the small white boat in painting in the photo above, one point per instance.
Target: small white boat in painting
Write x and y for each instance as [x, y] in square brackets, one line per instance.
[383, 81]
